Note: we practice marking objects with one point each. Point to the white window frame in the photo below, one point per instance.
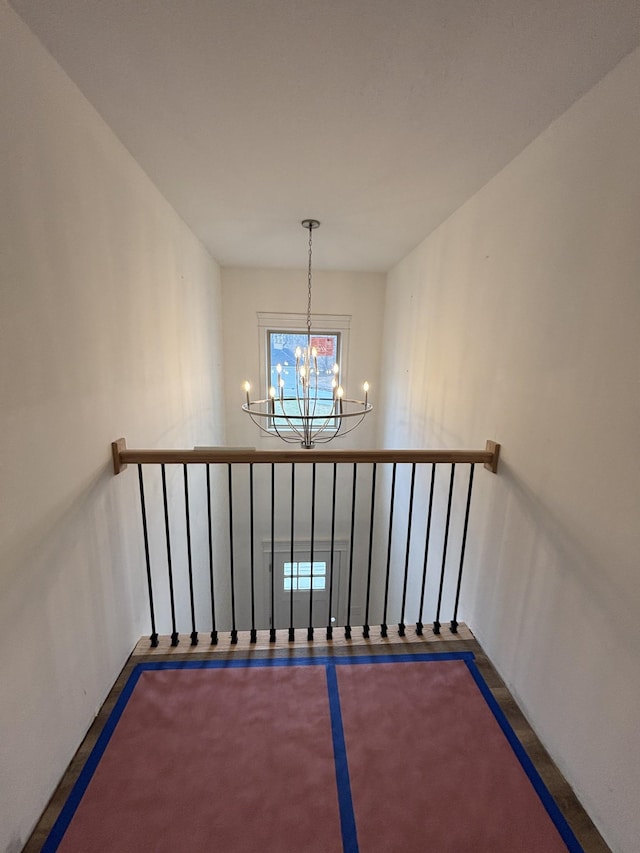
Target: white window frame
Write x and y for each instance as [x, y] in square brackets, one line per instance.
[321, 324]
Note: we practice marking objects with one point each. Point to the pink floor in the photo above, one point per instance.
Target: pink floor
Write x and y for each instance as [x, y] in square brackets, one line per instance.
[431, 769]
[215, 760]
[242, 759]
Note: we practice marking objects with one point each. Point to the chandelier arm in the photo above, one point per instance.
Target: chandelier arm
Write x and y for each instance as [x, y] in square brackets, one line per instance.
[292, 428]
[300, 381]
[297, 382]
[327, 435]
[339, 433]
[323, 436]
[266, 431]
[315, 393]
[308, 424]
[303, 402]
[299, 432]
[323, 426]
[333, 432]
[363, 409]
[275, 428]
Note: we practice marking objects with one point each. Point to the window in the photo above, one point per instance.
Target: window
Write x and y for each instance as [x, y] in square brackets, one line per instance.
[301, 576]
[281, 355]
[281, 334]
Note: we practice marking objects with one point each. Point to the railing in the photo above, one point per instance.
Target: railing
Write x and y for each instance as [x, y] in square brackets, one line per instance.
[280, 540]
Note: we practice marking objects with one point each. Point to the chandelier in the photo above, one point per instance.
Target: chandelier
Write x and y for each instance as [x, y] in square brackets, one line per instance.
[318, 410]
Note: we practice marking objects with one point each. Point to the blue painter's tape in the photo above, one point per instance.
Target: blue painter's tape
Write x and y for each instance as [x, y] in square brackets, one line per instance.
[566, 833]
[73, 800]
[347, 660]
[345, 803]
[403, 658]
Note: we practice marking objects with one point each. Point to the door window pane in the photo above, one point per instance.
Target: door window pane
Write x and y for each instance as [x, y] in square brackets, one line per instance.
[300, 576]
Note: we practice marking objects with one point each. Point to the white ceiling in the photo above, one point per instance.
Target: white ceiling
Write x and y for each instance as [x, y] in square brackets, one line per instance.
[378, 117]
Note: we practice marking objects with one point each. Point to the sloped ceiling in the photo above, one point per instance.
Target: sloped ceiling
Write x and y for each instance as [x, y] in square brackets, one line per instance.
[378, 117]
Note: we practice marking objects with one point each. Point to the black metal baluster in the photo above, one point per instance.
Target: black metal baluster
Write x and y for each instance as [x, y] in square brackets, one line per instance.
[454, 621]
[214, 632]
[154, 634]
[234, 632]
[347, 627]
[401, 626]
[254, 633]
[174, 633]
[384, 626]
[419, 625]
[436, 624]
[365, 628]
[313, 526]
[333, 539]
[194, 633]
[292, 633]
[272, 630]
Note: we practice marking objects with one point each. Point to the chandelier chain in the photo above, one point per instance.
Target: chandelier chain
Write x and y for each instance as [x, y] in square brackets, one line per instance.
[309, 288]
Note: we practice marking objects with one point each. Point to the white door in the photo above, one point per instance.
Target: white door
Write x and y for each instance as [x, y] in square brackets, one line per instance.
[306, 587]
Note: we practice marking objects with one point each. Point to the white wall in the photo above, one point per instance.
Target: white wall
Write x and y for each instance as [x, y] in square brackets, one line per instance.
[520, 319]
[109, 326]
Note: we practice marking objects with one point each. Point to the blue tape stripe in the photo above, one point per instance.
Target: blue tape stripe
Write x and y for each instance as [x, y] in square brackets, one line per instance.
[527, 765]
[345, 803]
[402, 658]
[347, 660]
[73, 800]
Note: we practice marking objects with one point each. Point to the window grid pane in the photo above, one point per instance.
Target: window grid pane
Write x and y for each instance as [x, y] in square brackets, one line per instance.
[298, 575]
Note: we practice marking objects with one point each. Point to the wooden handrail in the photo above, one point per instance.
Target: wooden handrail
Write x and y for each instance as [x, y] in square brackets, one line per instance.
[122, 456]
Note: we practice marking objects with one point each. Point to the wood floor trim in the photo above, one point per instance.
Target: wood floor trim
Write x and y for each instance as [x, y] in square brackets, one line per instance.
[244, 644]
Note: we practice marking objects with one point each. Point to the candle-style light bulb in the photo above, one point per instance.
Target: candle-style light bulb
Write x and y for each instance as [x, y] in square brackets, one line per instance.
[279, 368]
[366, 392]
[247, 388]
[298, 352]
